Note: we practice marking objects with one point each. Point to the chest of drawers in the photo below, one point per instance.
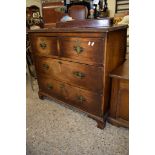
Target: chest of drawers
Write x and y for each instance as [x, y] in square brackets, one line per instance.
[73, 65]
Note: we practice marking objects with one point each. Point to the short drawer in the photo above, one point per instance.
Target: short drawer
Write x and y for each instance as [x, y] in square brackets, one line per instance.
[80, 98]
[85, 50]
[81, 75]
[45, 45]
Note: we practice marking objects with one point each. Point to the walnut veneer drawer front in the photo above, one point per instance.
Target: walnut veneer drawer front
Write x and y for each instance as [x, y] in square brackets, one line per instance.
[45, 45]
[86, 50]
[81, 75]
[83, 99]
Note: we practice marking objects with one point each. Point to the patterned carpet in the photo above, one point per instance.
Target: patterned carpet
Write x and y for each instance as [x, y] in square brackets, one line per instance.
[53, 129]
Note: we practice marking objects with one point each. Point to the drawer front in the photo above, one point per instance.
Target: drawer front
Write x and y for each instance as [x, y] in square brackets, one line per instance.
[80, 75]
[86, 50]
[45, 46]
[82, 99]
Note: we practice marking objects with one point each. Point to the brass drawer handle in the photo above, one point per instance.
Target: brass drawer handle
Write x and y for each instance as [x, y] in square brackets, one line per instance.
[79, 74]
[49, 86]
[43, 45]
[80, 98]
[78, 49]
[46, 66]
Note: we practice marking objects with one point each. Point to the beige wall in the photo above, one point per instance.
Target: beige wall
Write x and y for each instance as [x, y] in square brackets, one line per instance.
[37, 3]
[33, 2]
[111, 6]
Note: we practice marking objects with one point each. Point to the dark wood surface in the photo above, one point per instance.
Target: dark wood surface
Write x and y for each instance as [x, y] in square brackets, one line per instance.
[78, 29]
[114, 56]
[80, 98]
[78, 11]
[52, 12]
[90, 49]
[45, 45]
[105, 22]
[84, 74]
[119, 104]
[81, 75]
[122, 71]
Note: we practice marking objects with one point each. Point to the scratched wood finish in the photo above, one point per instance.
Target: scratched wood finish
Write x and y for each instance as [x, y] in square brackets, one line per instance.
[80, 98]
[81, 75]
[45, 45]
[85, 50]
[52, 13]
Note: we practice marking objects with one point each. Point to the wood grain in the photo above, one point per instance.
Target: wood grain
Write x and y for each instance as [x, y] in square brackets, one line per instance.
[82, 71]
[90, 49]
[80, 75]
[80, 98]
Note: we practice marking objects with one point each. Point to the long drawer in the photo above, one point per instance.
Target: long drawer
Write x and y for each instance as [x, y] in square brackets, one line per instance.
[80, 98]
[81, 75]
[86, 50]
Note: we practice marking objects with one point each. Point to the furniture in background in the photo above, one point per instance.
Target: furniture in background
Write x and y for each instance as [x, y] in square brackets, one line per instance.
[33, 17]
[89, 23]
[119, 103]
[52, 12]
[78, 11]
[96, 9]
[73, 65]
[78, 2]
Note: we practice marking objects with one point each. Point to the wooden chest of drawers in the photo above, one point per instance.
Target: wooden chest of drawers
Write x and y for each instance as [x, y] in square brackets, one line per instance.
[73, 65]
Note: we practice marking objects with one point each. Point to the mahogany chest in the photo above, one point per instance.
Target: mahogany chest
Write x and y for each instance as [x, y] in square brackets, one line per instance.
[73, 65]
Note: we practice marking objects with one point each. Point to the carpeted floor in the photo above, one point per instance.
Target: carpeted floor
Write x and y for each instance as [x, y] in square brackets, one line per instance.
[53, 129]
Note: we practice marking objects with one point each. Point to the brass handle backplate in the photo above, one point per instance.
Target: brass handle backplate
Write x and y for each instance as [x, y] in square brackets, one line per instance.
[79, 74]
[59, 62]
[43, 45]
[80, 98]
[46, 66]
[78, 49]
[49, 86]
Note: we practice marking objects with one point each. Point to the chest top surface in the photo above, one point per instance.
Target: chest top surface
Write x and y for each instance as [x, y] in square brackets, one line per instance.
[77, 29]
